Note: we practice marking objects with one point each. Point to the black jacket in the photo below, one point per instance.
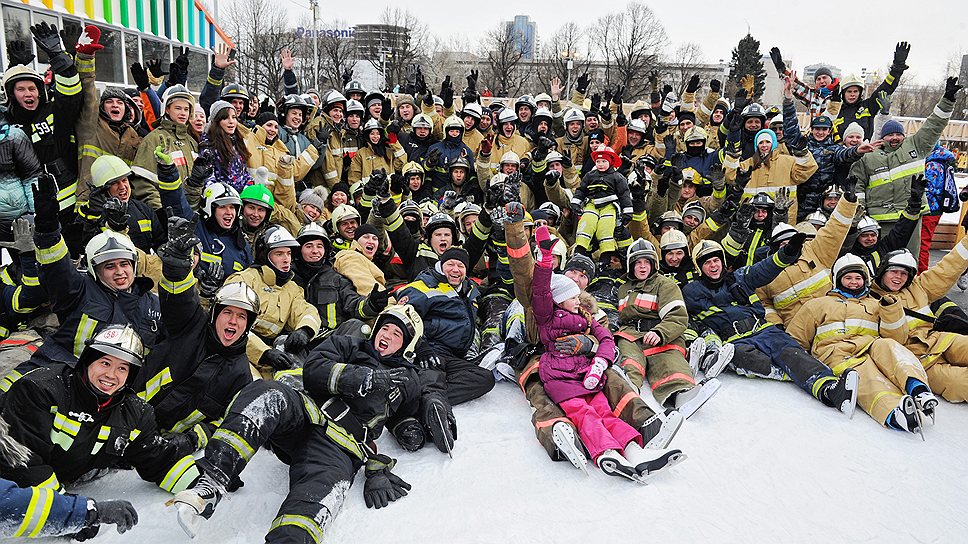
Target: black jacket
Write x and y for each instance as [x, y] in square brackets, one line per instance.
[332, 294]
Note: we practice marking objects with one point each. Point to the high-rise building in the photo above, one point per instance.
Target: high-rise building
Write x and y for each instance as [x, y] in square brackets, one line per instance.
[525, 37]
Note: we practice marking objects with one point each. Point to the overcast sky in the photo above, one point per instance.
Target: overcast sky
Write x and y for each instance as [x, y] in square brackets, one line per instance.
[851, 35]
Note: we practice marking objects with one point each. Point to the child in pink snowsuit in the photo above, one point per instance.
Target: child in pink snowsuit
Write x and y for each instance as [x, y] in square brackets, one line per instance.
[574, 382]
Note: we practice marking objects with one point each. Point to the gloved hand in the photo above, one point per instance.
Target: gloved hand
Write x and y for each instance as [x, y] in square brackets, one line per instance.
[901, 52]
[378, 299]
[114, 214]
[179, 68]
[47, 39]
[693, 84]
[888, 300]
[670, 146]
[884, 102]
[607, 98]
[19, 53]
[724, 212]
[119, 513]
[512, 188]
[298, 340]
[409, 434]
[637, 191]
[372, 185]
[742, 178]
[668, 104]
[386, 112]
[917, 193]
[382, 380]
[155, 69]
[850, 188]
[87, 42]
[795, 246]
[448, 202]
[486, 145]
[596, 103]
[201, 169]
[514, 211]
[777, 59]
[625, 219]
[552, 177]
[782, 203]
[140, 76]
[382, 486]
[581, 84]
[717, 179]
[433, 158]
[386, 207]
[23, 236]
[472, 80]
[715, 85]
[744, 214]
[277, 360]
[575, 344]
[618, 95]
[181, 233]
[951, 88]
[45, 204]
[542, 238]
[210, 277]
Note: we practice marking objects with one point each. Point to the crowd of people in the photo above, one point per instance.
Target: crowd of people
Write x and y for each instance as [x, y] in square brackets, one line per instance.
[219, 274]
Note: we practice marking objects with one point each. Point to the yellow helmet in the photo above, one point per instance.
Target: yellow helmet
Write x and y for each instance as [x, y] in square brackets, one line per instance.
[107, 169]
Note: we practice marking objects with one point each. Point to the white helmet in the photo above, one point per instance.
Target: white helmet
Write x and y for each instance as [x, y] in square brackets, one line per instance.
[237, 295]
[219, 194]
[850, 263]
[868, 224]
[107, 246]
[507, 115]
[510, 158]
[817, 219]
[473, 109]
[574, 114]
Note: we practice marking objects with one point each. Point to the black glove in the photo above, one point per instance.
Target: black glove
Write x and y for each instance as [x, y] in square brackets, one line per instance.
[552, 177]
[447, 95]
[724, 212]
[179, 68]
[655, 98]
[378, 298]
[443, 431]
[45, 204]
[201, 169]
[850, 186]
[666, 89]
[596, 102]
[181, 233]
[618, 95]
[298, 340]
[778, 60]
[47, 38]
[140, 76]
[372, 185]
[670, 146]
[154, 66]
[387, 110]
[428, 100]
[322, 137]
[382, 486]
[409, 434]
[637, 191]
[512, 188]
[917, 193]
[385, 208]
[347, 75]
[277, 359]
[19, 53]
[433, 158]
[744, 214]
[901, 52]
[742, 178]
[384, 380]
[210, 277]
[951, 87]
[693, 84]
[114, 214]
[607, 98]
[119, 513]
[663, 184]
[581, 84]
[795, 246]
[715, 85]
[492, 197]
[472, 81]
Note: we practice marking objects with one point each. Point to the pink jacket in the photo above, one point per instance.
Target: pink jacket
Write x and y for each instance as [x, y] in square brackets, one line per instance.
[562, 374]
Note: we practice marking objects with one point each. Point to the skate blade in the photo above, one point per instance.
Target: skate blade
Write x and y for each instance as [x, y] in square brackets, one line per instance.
[612, 469]
[670, 461]
[696, 351]
[566, 445]
[188, 518]
[852, 382]
[446, 431]
[670, 426]
[724, 357]
[709, 388]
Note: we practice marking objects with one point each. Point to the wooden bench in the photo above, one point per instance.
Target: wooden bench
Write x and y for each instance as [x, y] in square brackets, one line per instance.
[945, 237]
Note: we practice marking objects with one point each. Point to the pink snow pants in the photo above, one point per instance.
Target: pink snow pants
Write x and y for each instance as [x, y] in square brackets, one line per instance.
[598, 428]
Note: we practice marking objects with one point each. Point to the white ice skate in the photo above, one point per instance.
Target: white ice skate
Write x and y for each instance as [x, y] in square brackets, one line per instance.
[648, 462]
[687, 402]
[197, 504]
[564, 437]
[614, 463]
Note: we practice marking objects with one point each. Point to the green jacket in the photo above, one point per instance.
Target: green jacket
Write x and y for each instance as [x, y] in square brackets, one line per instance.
[178, 144]
[884, 176]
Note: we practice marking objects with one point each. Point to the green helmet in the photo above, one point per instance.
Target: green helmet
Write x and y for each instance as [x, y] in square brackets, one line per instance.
[259, 195]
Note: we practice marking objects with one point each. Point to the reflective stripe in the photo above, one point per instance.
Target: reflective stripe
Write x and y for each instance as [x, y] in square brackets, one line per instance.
[178, 287]
[304, 523]
[8, 380]
[801, 289]
[674, 376]
[211, 258]
[30, 281]
[85, 330]
[52, 254]
[331, 315]
[896, 173]
[180, 476]
[37, 512]
[237, 442]
[669, 307]
[50, 483]
[892, 325]
[344, 439]
[843, 219]
[962, 251]
[334, 375]
[941, 113]
[156, 383]
[152, 176]
[188, 422]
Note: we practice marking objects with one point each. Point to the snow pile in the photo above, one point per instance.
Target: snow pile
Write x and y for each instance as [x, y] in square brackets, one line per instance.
[766, 463]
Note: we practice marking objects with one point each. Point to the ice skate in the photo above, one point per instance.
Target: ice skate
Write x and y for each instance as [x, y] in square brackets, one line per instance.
[843, 394]
[697, 350]
[442, 434]
[659, 430]
[197, 504]
[564, 437]
[614, 463]
[926, 403]
[650, 461]
[687, 402]
[716, 359]
[906, 416]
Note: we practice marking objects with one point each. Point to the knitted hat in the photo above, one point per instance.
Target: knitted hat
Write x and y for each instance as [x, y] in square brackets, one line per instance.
[686, 115]
[823, 71]
[563, 288]
[853, 128]
[265, 117]
[218, 106]
[766, 134]
[458, 253]
[363, 229]
[310, 197]
[598, 135]
[581, 263]
[892, 127]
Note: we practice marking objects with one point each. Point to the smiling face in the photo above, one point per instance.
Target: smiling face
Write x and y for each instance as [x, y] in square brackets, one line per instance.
[822, 81]
[712, 268]
[760, 214]
[313, 251]
[312, 212]
[27, 95]
[116, 273]
[455, 271]
[230, 123]
[674, 257]
[867, 239]
[120, 189]
[852, 281]
[894, 140]
[634, 138]
[441, 240]
[820, 134]
[339, 197]
[230, 324]
[753, 124]
[507, 129]
[717, 116]
[574, 128]
[895, 279]
[853, 139]
[254, 214]
[687, 191]
[239, 105]
[225, 215]
[108, 374]
[198, 120]
[271, 128]
[406, 112]
[281, 258]
[765, 147]
[347, 228]
[369, 243]
[388, 340]
[374, 136]
[571, 305]
[691, 221]
[114, 109]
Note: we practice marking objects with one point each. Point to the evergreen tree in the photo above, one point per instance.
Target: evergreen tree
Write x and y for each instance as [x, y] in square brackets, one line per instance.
[747, 59]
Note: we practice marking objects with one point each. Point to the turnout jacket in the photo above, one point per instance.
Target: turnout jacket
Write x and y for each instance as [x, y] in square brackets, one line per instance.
[654, 304]
[70, 432]
[604, 188]
[449, 313]
[332, 294]
[40, 511]
[178, 143]
[783, 171]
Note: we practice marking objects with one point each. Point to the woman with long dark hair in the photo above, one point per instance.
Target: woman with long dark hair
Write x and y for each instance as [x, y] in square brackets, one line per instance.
[228, 146]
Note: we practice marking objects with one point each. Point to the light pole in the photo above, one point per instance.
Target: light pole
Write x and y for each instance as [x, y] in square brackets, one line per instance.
[314, 4]
[569, 65]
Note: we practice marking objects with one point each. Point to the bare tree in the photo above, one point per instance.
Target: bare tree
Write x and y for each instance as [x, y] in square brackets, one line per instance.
[260, 31]
[683, 64]
[570, 42]
[504, 53]
[337, 53]
[631, 44]
[400, 49]
[452, 57]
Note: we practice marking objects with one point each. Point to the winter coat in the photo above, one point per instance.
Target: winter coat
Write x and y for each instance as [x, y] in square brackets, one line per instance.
[733, 299]
[360, 270]
[227, 248]
[563, 375]
[329, 166]
[20, 294]
[705, 165]
[939, 174]
[190, 378]
[450, 150]
[783, 171]
[267, 154]
[573, 149]
[835, 328]
[367, 160]
[178, 143]
[826, 153]
[417, 256]
[884, 175]
[232, 172]
[281, 308]
[40, 511]
[449, 314]
[96, 136]
[814, 99]
[654, 304]
[71, 432]
[332, 294]
[84, 305]
[809, 276]
[865, 110]
[415, 148]
[603, 189]
[19, 169]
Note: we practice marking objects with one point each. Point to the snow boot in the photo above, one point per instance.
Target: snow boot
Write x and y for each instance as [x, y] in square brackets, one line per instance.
[926, 403]
[651, 461]
[568, 446]
[842, 394]
[614, 463]
[716, 359]
[697, 350]
[906, 417]
[197, 503]
[658, 430]
[687, 402]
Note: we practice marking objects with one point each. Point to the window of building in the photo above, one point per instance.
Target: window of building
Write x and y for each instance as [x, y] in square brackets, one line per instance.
[71, 32]
[16, 25]
[197, 70]
[154, 49]
[132, 49]
[43, 18]
[109, 66]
